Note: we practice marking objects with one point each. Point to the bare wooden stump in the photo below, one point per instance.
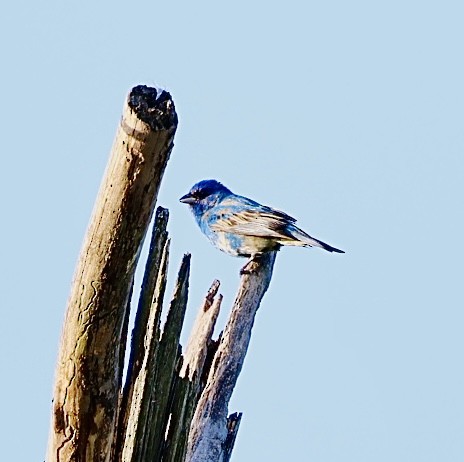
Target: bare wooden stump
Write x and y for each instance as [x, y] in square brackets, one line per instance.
[89, 373]
[173, 407]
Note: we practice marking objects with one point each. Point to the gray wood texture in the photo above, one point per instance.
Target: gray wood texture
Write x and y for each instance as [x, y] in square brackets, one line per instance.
[194, 369]
[212, 433]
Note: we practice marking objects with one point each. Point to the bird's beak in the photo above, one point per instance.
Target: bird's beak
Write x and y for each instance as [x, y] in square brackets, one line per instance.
[187, 199]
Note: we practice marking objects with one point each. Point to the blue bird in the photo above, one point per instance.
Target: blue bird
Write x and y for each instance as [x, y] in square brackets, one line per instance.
[242, 227]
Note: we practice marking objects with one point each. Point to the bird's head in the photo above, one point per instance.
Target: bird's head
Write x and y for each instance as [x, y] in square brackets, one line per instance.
[204, 195]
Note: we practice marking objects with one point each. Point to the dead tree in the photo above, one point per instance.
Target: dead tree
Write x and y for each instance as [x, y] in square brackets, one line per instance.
[173, 406]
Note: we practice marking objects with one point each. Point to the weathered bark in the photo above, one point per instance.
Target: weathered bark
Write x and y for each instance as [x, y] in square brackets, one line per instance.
[89, 372]
[212, 433]
[167, 365]
[150, 401]
[189, 385]
[166, 387]
[155, 267]
[145, 335]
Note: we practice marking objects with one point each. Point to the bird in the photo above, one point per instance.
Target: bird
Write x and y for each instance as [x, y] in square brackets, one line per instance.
[242, 227]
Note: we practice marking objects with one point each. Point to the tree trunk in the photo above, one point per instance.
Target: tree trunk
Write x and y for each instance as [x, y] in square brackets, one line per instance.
[89, 370]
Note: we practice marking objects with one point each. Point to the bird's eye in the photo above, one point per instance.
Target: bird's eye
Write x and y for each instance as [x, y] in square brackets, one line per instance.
[201, 194]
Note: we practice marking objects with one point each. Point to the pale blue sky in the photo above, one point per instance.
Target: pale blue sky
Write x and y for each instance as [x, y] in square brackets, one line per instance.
[347, 115]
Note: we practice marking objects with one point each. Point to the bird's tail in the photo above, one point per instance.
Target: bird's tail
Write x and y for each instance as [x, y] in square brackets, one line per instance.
[305, 240]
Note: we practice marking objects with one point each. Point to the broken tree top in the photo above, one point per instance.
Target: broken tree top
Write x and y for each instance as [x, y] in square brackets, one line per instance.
[153, 106]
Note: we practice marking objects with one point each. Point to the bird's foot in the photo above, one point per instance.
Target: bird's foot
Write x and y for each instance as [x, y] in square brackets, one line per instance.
[251, 265]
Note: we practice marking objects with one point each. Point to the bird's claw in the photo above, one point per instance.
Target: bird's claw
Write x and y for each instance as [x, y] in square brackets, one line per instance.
[251, 265]
[247, 269]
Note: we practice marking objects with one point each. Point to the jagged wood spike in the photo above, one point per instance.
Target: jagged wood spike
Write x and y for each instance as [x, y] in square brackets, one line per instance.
[166, 372]
[188, 387]
[202, 331]
[154, 265]
[208, 431]
[134, 439]
[157, 243]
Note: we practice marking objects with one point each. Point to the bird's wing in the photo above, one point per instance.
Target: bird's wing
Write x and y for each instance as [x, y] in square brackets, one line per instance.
[246, 217]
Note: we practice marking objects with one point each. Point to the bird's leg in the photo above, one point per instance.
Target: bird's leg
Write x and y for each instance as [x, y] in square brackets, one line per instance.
[250, 266]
